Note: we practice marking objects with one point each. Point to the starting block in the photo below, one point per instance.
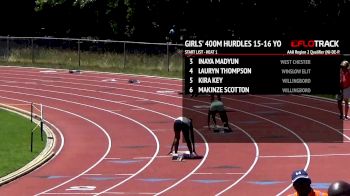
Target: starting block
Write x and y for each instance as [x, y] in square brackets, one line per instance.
[74, 71]
[181, 155]
[132, 81]
[220, 129]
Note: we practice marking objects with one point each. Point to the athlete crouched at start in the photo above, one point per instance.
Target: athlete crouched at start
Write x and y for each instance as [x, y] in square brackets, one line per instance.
[185, 125]
[217, 107]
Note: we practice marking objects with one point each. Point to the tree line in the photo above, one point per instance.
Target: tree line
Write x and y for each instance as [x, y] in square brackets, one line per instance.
[175, 20]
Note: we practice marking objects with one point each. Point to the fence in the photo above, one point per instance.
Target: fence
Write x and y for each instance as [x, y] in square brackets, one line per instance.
[91, 54]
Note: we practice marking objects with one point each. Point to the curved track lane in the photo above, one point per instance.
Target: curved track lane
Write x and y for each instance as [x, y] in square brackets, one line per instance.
[117, 135]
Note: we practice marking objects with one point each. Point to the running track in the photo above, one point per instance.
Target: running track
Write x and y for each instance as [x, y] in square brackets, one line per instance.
[113, 138]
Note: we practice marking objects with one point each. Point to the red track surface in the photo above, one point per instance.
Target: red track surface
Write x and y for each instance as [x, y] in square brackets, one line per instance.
[116, 136]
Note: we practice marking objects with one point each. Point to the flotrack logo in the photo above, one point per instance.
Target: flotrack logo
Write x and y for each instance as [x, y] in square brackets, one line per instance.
[314, 43]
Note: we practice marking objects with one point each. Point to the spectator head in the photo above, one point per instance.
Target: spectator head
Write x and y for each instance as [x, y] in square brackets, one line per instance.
[344, 64]
[339, 188]
[301, 182]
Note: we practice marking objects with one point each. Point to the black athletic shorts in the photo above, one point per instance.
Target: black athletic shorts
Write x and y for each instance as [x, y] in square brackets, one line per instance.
[179, 125]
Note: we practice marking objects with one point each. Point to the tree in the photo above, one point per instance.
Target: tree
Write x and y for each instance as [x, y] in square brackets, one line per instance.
[15, 19]
[151, 20]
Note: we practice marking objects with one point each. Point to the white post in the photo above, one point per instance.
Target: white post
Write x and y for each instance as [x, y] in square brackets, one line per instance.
[42, 122]
[41, 112]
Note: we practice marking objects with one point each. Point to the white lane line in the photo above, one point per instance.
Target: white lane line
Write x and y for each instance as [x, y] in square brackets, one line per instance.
[166, 92]
[68, 193]
[317, 108]
[143, 168]
[130, 193]
[123, 174]
[160, 156]
[302, 156]
[175, 106]
[227, 173]
[112, 80]
[204, 158]
[72, 84]
[284, 156]
[62, 139]
[206, 144]
[86, 119]
[48, 71]
[133, 120]
[114, 94]
[49, 79]
[199, 165]
[25, 103]
[152, 87]
[21, 70]
[251, 166]
[96, 98]
[206, 107]
[94, 165]
[299, 138]
[106, 100]
[162, 130]
[257, 154]
[129, 89]
[323, 99]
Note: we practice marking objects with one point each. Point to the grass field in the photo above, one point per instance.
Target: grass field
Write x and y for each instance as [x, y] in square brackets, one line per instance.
[15, 142]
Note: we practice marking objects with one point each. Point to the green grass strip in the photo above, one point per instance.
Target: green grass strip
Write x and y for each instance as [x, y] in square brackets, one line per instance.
[15, 142]
[136, 63]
